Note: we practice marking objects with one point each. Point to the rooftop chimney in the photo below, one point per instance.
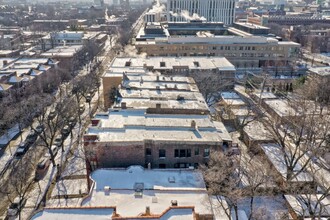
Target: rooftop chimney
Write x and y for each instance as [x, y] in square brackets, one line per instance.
[148, 211]
[193, 124]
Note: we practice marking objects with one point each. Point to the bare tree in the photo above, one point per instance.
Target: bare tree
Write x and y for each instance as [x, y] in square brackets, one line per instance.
[210, 85]
[301, 135]
[223, 181]
[20, 183]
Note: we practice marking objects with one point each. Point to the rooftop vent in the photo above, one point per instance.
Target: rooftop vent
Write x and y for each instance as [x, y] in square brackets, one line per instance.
[174, 203]
[171, 179]
[154, 199]
[107, 190]
[128, 63]
[180, 98]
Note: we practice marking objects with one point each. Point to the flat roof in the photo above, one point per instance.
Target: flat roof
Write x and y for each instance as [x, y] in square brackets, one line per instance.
[74, 213]
[252, 26]
[299, 207]
[277, 158]
[166, 102]
[158, 189]
[133, 125]
[281, 107]
[222, 131]
[62, 51]
[322, 71]
[232, 99]
[152, 179]
[257, 131]
[170, 63]
[265, 95]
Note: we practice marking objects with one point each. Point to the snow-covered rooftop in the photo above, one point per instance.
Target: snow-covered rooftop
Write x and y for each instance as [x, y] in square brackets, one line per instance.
[281, 107]
[265, 95]
[128, 125]
[152, 179]
[277, 158]
[317, 202]
[257, 131]
[170, 63]
[159, 188]
[82, 213]
[62, 51]
[232, 99]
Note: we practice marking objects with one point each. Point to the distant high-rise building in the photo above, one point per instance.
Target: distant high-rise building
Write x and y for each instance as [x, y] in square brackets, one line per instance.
[99, 2]
[210, 10]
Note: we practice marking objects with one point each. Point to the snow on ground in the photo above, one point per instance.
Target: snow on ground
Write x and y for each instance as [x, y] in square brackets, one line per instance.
[76, 165]
[70, 187]
[269, 207]
[6, 138]
[220, 207]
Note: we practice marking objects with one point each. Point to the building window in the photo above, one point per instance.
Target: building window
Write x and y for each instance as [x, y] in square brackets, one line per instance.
[148, 151]
[162, 166]
[196, 151]
[182, 153]
[206, 152]
[188, 153]
[162, 153]
[162, 64]
[176, 153]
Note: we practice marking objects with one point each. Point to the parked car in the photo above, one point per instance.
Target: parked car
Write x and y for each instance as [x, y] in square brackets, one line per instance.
[21, 149]
[52, 114]
[40, 128]
[32, 137]
[42, 168]
[65, 131]
[72, 122]
[81, 108]
[88, 97]
[16, 207]
[58, 140]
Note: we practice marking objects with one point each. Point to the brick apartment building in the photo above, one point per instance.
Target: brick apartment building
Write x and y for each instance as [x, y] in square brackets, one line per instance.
[120, 138]
[146, 87]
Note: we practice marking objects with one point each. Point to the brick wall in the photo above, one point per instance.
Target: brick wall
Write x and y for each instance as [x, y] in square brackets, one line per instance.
[127, 154]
